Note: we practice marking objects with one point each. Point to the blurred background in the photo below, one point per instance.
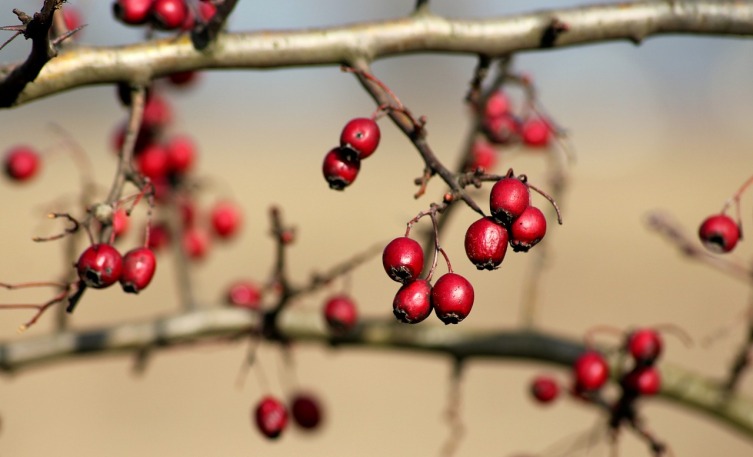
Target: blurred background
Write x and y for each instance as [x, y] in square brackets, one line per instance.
[665, 125]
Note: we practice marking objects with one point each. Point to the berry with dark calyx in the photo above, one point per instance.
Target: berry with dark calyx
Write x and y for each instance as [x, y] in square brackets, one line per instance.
[412, 303]
[340, 170]
[497, 105]
[100, 266]
[642, 380]
[527, 229]
[307, 411]
[508, 199]
[132, 12]
[195, 243]
[271, 417]
[226, 219]
[169, 14]
[536, 132]
[138, 269]
[719, 233]
[403, 259]
[244, 294]
[360, 135]
[483, 156]
[452, 298]
[486, 243]
[590, 371]
[544, 389]
[21, 163]
[645, 345]
[181, 154]
[340, 313]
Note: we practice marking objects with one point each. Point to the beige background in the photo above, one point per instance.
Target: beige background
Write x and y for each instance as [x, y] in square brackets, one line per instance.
[666, 126]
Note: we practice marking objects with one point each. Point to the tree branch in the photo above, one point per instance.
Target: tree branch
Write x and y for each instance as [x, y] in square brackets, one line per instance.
[368, 41]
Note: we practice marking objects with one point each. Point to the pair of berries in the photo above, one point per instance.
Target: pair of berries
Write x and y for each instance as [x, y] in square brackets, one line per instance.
[719, 233]
[101, 266]
[271, 415]
[162, 14]
[501, 126]
[358, 140]
[21, 163]
[451, 297]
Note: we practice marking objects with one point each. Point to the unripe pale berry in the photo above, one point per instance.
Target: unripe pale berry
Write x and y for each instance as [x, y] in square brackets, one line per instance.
[361, 135]
[719, 233]
[169, 14]
[527, 229]
[307, 411]
[412, 303]
[21, 163]
[340, 313]
[138, 270]
[340, 170]
[403, 259]
[642, 380]
[226, 219]
[544, 389]
[508, 199]
[536, 132]
[486, 243]
[244, 294]
[271, 417]
[452, 298]
[645, 345]
[590, 371]
[99, 266]
[132, 12]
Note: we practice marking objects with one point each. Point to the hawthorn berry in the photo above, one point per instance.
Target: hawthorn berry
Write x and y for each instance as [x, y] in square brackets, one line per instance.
[120, 222]
[719, 233]
[340, 170]
[641, 380]
[159, 236]
[536, 132]
[99, 266]
[226, 219]
[527, 229]
[181, 154]
[645, 345]
[452, 298]
[169, 14]
[497, 105]
[157, 112]
[306, 411]
[360, 135]
[71, 17]
[502, 129]
[271, 417]
[153, 162]
[412, 303]
[508, 199]
[138, 269]
[486, 243]
[403, 259]
[183, 78]
[340, 314]
[590, 371]
[195, 243]
[244, 294]
[21, 163]
[544, 389]
[483, 156]
[132, 12]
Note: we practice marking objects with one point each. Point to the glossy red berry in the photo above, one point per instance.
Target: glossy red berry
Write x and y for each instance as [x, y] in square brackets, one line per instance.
[340, 314]
[544, 389]
[340, 170]
[153, 162]
[21, 163]
[132, 12]
[361, 135]
[195, 243]
[99, 266]
[452, 298]
[497, 105]
[138, 270]
[483, 157]
[307, 411]
[226, 219]
[244, 294]
[271, 417]
[403, 259]
[645, 345]
[169, 14]
[412, 303]
[181, 154]
[508, 199]
[486, 243]
[642, 380]
[536, 132]
[719, 233]
[527, 229]
[590, 371]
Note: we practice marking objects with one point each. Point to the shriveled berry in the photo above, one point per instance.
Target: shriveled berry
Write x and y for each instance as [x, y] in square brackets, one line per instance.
[244, 294]
[271, 417]
[307, 411]
[403, 259]
[719, 233]
[138, 269]
[452, 298]
[644, 345]
[21, 163]
[642, 380]
[340, 170]
[527, 229]
[169, 14]
[360, 135]
[544, 389]
[226, 219]
[132, 12]
[340, 314]
[536, 132]
[486, 243]
[508, 199]
[99, 266]
[412, 303]
[590, 371]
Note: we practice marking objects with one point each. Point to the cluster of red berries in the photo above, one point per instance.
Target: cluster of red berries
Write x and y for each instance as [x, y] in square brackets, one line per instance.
[451, 297]
[719, 233]
[163, 14]
[21, 163]
[101, 266]
[358, 140]
[502, 126]
[271, 414]
[644, 346]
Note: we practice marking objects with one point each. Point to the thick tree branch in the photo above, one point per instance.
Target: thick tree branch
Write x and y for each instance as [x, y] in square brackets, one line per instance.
[368, 41]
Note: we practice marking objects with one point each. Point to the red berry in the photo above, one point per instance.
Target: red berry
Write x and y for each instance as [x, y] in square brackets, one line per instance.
[544, 389]
[152, 162]
[138, 269]
[271, 417]
[132, 12]
[591, 371]
[195, 243]
[502, 129]
[719, 233]
[536, 132]
[412, 303]
[452, 298]
[508, 199]
[340, 170]
[340, 313]
[360, 135]
[642, 380]
[159, 236]
[157, 113]
[71, 17]
[244, 294]
[226, 219]
[181, 154]
[307, 411]
[644, 345]
[183, 78]
[403, 259]
[120, 222]
[483, 156]
[486, 243]
[99, 266]
[169, 14]
[497, 105]
[527, 229]
[21, 163]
